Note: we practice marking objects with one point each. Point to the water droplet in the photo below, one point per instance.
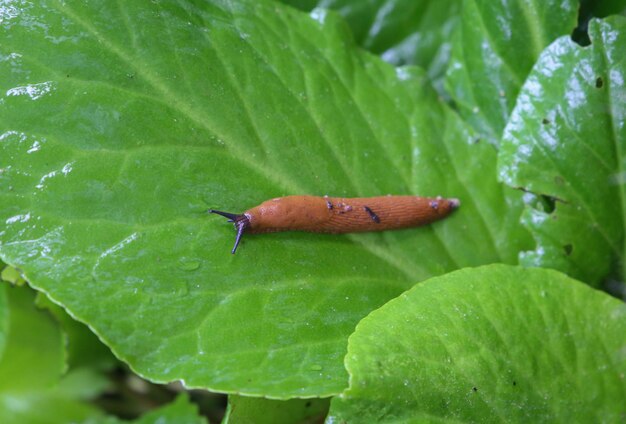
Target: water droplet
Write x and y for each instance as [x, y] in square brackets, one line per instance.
[319, 14]
[34, 91]
[67, 168]
[36, 146]
[188, 264]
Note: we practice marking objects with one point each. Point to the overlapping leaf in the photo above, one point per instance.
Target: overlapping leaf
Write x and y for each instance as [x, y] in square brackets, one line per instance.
[406, 32]
[121, 123]
[567, 139]
[181, 410]
[265, 411]
[32, 363]
[545, 348]
[496, 45]
[4, 318]
[84, 350]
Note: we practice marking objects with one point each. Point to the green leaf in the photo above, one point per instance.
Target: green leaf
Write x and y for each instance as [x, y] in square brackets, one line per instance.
[242, 409]
[598, 9]
[83, 347]
[123, 123]
[602, 8]
[494, 49]
[567, 139]
[4, 318]
[29, 332]
[32, 363]
[305, 5]
[402, 32]
[11, 275]
[495, 343]
[181, 410]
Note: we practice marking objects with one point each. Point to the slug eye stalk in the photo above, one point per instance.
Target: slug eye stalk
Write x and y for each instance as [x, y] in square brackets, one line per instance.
[240, 221]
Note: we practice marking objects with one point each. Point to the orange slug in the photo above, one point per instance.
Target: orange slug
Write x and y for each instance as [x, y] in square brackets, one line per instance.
[338, 215]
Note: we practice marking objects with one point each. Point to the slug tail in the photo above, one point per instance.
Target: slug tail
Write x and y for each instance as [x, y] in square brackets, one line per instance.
[241, 221]
[454, 203]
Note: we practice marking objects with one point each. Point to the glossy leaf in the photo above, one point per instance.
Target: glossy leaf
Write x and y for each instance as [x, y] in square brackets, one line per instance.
[495, 48]
[495, 343]
[567, 139]
[403, 32]
[122, 123]
[32, 363]
[243, 410]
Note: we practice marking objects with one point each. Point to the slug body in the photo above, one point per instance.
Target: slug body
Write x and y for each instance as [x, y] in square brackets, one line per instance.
[337, 215]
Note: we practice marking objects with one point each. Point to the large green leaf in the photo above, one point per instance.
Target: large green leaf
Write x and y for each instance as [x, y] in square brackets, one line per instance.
[495, 47]
[415, 32]
[567, 139]
[495, 343]
[123, 122]
[32, 364]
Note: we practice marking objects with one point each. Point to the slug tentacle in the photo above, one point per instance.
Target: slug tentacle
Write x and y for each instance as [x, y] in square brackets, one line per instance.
[232, 217]
[241, 222]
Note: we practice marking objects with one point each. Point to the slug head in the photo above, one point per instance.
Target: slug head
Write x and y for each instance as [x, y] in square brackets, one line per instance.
[241, 222]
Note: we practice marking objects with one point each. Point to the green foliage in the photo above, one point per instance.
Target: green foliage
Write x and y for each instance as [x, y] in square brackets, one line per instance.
[567, 139]
[116, 192]
[32, 363]
[11, 275]
[266, 411]
[122, 123]
[405, 32]
[546, 348]
[180, 410]
[40, 384]
[83, 347]
[496, 46]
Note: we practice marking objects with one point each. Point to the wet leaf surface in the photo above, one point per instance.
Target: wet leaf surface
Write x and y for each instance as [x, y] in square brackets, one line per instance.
[545, 348]
[567, 140]
[123, 123]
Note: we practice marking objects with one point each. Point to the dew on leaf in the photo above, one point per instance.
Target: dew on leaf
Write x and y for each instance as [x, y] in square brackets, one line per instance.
[188, 264]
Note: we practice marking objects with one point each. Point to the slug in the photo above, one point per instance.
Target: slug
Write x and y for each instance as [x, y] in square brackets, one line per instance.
[338, 215]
